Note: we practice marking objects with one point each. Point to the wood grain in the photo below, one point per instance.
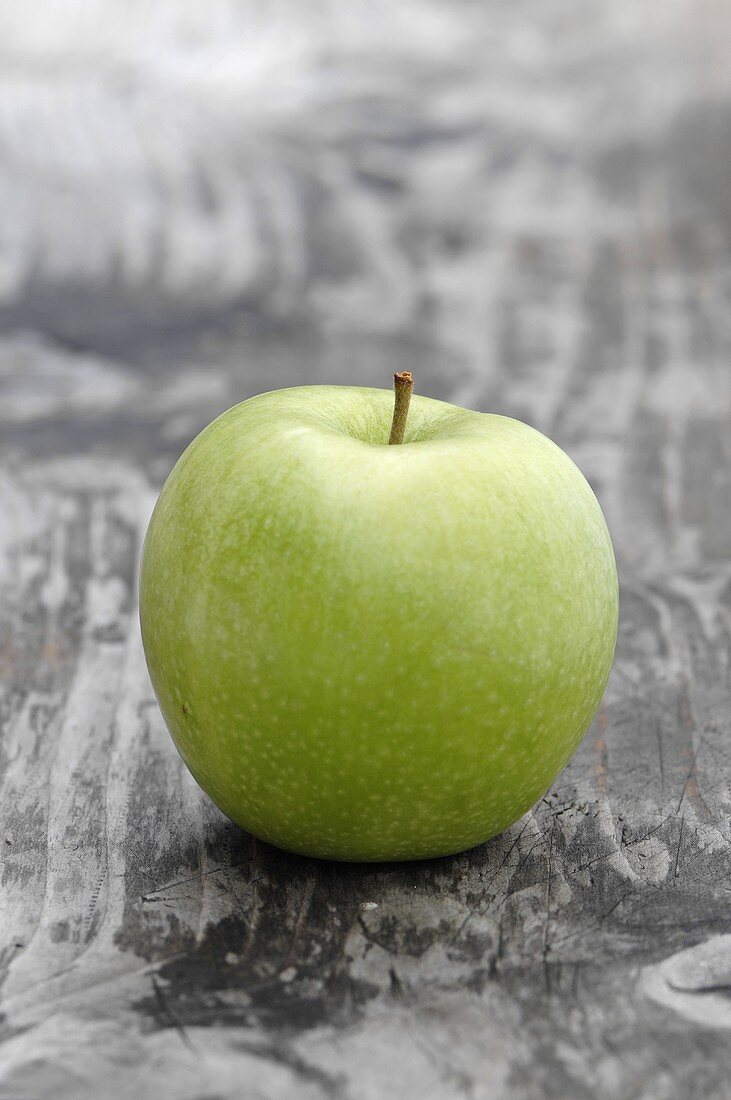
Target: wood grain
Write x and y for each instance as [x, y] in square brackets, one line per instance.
[528, 206]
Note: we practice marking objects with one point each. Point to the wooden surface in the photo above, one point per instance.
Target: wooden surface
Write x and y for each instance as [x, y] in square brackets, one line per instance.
[527, 204]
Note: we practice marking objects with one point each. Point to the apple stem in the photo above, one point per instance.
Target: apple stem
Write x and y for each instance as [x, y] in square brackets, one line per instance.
[403, 384]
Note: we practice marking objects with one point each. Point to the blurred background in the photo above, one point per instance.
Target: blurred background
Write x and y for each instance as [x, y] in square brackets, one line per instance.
[526, 203]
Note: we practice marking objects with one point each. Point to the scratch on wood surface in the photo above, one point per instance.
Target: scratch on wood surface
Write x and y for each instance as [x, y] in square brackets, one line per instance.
[600, 749]
[168, 1014]
[256, 902]
[676, 872]
[547, 904]
[487, 897]
[299, 926]
[691, 788]
[660, 761]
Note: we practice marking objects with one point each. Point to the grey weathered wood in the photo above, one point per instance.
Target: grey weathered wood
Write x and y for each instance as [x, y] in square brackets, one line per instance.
[526, 204]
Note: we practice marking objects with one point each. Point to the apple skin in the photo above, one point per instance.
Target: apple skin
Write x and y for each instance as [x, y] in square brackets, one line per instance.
[371, 652]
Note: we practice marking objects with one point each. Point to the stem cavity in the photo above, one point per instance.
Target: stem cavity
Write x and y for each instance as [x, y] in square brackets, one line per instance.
[403, 384]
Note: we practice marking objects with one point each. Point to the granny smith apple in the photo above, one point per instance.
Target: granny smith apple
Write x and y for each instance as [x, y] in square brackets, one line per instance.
[367, 651]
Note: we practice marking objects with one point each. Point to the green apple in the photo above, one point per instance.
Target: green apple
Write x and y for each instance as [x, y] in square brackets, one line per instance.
[373, 652]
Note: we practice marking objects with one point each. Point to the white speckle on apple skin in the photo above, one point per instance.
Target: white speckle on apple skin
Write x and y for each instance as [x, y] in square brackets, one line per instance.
[384, 652]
